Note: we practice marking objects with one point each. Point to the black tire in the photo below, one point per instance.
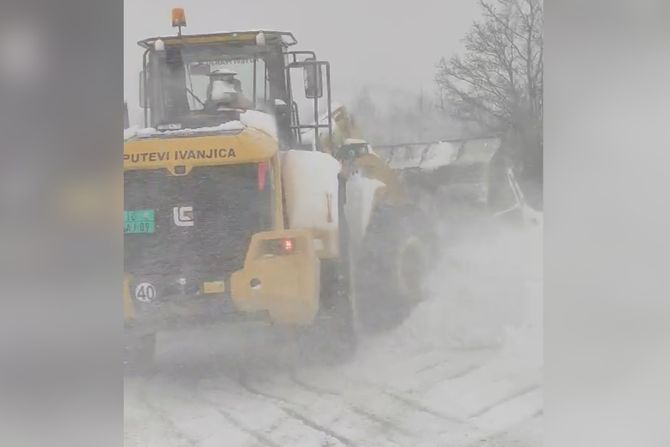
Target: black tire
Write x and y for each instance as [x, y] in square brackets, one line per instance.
[332, 338]
[139, 354]
[390, 267]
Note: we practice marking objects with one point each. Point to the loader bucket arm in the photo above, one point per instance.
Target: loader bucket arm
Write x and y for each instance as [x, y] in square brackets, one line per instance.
[374, 167]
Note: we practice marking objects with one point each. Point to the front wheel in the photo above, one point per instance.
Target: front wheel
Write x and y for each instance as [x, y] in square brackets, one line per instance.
[390, 267]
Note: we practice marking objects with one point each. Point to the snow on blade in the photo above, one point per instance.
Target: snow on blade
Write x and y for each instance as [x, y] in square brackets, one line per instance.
[429, 157]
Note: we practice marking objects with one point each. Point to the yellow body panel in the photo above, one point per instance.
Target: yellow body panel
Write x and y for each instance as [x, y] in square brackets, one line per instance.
[289, 284]
[247, 146]
[213, 287]
[374, 167]
[128, 309]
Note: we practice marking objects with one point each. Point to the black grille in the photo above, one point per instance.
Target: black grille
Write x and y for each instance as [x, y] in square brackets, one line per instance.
[228, 207]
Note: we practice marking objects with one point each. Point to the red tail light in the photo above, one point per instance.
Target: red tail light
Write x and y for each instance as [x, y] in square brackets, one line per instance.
[279, 247]
[286, 246]
[262, 174]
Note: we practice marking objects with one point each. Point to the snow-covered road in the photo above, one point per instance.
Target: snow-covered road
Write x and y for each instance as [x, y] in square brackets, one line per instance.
[464, 369]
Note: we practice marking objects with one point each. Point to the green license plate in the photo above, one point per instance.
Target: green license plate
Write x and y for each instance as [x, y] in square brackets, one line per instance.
[138, 221]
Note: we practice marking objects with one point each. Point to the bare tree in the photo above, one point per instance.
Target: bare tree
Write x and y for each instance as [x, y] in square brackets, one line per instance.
[497, 82]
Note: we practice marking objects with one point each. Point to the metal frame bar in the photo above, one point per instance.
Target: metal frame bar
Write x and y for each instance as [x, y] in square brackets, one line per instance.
[144, 88]
[293, 105]
[220, 37]
[303, 52]
[254, 83]
[266, 82]
[297, 135]
[296, 126]
[330, 107]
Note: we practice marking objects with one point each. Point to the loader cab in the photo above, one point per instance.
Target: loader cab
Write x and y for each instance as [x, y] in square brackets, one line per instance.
[180, 73]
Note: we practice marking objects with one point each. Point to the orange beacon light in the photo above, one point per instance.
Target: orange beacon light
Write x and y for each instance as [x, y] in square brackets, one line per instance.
[178, 18]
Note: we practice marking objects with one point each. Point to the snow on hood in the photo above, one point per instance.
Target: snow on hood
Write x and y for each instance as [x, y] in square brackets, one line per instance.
[251, 118]
[129, 132]
[261, 121]
[225, 127]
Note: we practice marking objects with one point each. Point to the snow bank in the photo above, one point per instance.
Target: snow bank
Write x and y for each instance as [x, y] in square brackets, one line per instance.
[473, 349]
[488, 282]
[486, 291]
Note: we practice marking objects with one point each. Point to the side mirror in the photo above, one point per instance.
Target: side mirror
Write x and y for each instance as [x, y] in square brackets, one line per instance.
[313, 80]
[143, 103]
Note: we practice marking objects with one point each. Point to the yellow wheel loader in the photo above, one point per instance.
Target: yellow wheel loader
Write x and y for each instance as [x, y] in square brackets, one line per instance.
[242, 205]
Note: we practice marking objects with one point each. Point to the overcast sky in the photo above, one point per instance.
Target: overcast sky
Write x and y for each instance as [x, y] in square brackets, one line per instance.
[368, 42]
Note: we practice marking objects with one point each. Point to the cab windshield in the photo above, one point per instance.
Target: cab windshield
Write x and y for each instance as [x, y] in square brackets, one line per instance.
[207, 85]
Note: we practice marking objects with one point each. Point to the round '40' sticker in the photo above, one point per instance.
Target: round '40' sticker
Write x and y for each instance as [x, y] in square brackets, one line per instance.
[145, 292]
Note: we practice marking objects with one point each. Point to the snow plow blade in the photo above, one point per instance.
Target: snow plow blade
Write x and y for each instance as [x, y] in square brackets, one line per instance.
[460, 174]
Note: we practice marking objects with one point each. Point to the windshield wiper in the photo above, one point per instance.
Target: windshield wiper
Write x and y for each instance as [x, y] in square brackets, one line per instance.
[195, 97]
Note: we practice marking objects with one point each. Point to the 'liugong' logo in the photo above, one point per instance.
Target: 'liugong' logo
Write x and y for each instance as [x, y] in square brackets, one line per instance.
[183, 216]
